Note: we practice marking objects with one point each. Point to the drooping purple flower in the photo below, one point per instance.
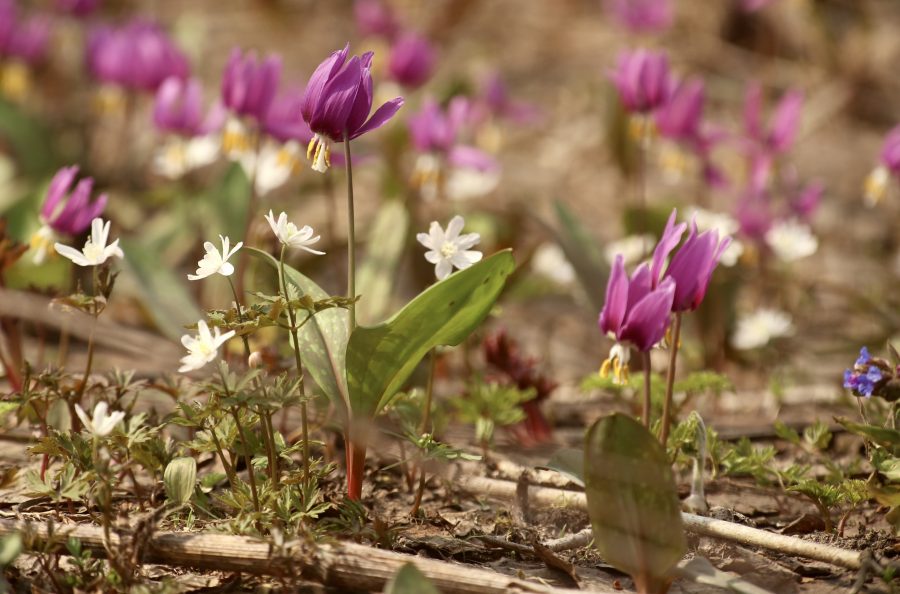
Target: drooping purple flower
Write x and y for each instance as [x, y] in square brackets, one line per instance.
[71, 212]
[375, 19]
[766, 143]
[635, 312]
[337, 103]
[412, 60]
[863, 378]
[692, 266]
[249, 85]
[670, 238]
[79, 8]
[643, 80]
[681, 116]
[137, 56]
[641, 16]
[178, 108]
[754, 213]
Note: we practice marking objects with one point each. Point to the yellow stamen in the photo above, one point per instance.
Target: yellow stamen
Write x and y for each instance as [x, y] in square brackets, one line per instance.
[617, 368]
[875, 186]
[109, 100]
[642, 129]
[15, 81]
[674, 163]
[319, 152]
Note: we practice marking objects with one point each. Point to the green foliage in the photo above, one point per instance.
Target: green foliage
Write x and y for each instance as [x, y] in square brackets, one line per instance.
[381, 358]
[378, 270]
[409, 580]
[179, 479]
[583, 252]
[570, 463]
[490, 405]
[632, 501]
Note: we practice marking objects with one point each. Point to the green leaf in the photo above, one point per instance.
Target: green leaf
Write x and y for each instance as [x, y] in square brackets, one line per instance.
[29, 140]
[381, 358]
[376, 275]
[10, 547]
[632, 501]
[323, 339]
[568, 462]
[584, 254]
[409, 580]
[887, 438]
[229, 201]
[179, 479]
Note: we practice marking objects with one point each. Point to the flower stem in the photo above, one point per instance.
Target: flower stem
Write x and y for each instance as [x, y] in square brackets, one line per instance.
[351, 234]
[237, 304]
[423, 428]
[90, 351]
[298, 360]
[647, 401]
[248, 459]
[670, 380]
[229, 471]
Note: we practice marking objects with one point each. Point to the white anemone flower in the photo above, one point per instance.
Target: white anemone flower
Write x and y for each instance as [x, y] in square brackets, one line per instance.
[202, 348]
[95, 250]
[550, 261]
[179, 156]
[449, 249]
[102, 422]
[214, 261]
[288, 233]
[791, 240]
[760, 328]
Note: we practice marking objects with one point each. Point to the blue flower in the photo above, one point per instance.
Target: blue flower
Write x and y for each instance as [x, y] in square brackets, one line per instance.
[864, 376]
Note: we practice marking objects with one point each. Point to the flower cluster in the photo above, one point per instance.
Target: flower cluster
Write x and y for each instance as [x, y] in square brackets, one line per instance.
[867, 375]
[65, 211]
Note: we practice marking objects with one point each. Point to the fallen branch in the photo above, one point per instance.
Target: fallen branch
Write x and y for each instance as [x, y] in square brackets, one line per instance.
[346, 566]
[549, 497]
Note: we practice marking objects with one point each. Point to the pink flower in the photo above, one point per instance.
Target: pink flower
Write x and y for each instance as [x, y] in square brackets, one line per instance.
[643, 80]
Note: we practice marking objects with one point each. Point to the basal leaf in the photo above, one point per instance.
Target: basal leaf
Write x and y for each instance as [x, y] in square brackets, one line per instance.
[179, 479]
[323, 339]
[570, 463]
[632, 502]
[381, 358]
[584, 254]
[699, 570]
[409, 580]
[376, 274]
[883, 436]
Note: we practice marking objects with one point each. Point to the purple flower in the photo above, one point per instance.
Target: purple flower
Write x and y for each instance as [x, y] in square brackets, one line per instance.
[643, 80]
[692, 266]
[70, 213]
[680, 118]
[29, 40]
[805, 203]
[635, 312]
[434, 130]
[641, 16]
[670, 237]
[375, 19]
[283, 120]
[337, 103]
[412, 60]
[890, 151]
[178, 108]
[764, 144]
[248, 85]
[863, 378]
[137, 56]
[754, 213]
[8, 20]
[78, 8]
[494, 101]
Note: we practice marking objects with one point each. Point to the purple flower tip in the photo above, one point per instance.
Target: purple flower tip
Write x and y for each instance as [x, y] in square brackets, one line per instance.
[68, 212]
[249, 85]
[643, 80]
[137, 56]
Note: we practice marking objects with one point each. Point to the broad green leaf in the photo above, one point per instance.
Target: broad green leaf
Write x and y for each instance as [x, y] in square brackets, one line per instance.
[229, 202]
[883, 436]
[409, 580]
[632, 502]
[570, 463]
[10, 547]
[323, 339]
[377, 273]
[699, 570]
[381, 358]
[584, 254]
[179, 479]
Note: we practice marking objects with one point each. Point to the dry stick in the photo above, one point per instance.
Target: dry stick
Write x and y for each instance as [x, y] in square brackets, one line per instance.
[344, 566]
[670, 380]
[693, 523]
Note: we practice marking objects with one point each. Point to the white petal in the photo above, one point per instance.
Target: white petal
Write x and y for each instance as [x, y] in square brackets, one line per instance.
[443, 269]
[455, 226]
[433, 256]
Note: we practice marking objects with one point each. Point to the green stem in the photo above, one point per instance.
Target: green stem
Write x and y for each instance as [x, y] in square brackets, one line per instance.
[273, 454]
[90, 352]
[647, 400]
[229, 471]
[298, 360]
[248, 459]
[244, 259]
[426, 421]
[240, 313]
[670, 380]
[351, 234]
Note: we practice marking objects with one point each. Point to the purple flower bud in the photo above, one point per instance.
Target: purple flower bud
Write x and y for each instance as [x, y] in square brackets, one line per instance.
[375, 19]
[670, 237]
[412, 60]
[71, 213]
[79, 8]
[248, 85]
[681, 116]
[890, 151]
[641, 16]
[28, 40]
[785, 123]
[692, 266]
[433, 130]
[337, 103]
[643, 80]
[635, 312]
[178, 108]
[138, 56]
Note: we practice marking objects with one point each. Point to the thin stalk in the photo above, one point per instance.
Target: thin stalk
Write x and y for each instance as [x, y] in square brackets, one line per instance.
[248, 460]
[423, 428]
[90, 352]
[351, 234]
[298, 360]
[240, 313]
[273, 454]
[229, 470]
[670, 380]
[647, 400]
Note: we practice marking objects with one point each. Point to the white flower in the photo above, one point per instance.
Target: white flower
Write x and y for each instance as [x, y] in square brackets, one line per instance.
[179, 156]
[791, 240]
[550, 261]
[876, 185]
[269, 164]
[726, 225]
[761, 327]
[102, 422]
[95, 250]
[41, 242]
[203, 348]
[449, 249]
[633, 248]
[215, 261]
[465, 183]
[288, 234]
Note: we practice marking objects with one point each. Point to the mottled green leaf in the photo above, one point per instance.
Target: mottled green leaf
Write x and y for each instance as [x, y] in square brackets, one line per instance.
[632, 502]
[409, 580]
[584, 253]
[376, 275]
[570, 463]
[381, 358]
[179, 479]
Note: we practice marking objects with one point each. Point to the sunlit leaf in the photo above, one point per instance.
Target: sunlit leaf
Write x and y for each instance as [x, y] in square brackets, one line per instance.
[409, 580]
[381, 358]
[632, 502]
[570, 463]
[376, 275]
[179, 479]
[883, 436]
